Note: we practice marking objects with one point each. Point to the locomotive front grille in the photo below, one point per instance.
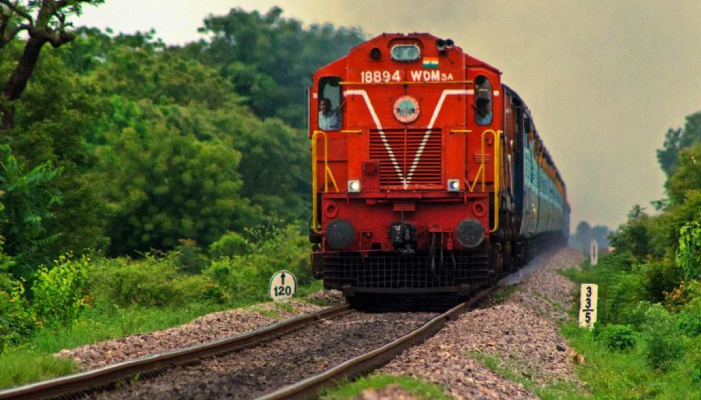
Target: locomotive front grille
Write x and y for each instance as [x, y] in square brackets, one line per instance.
[393, 271]
[406, 148]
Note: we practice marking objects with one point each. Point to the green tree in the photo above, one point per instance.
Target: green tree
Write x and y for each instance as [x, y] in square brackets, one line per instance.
[688, 254]
[274, 164]
[269, 59]
[677, 140]
[58, 112]
[274, 157]
[44, 22]
[28, 203]
[687, 175]
[634, 236]
[162, 184]
[582, 237]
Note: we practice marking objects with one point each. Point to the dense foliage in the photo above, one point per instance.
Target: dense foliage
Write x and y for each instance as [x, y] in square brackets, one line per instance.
[138, 175]
[268, 58]
[650, 285]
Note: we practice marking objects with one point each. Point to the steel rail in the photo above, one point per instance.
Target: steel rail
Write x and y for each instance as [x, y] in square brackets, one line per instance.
[85, 381]
[376, 358]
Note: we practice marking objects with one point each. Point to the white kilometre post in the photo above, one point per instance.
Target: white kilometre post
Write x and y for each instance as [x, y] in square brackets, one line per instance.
[283, 285]
[594, 252]
[588, 302]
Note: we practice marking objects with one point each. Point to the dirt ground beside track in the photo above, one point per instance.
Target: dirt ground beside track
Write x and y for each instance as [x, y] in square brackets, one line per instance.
[203, 329]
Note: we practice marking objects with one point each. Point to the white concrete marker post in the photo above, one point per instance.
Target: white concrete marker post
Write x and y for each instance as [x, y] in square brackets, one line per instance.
[594, 252]
[283, 285]
[588, 302]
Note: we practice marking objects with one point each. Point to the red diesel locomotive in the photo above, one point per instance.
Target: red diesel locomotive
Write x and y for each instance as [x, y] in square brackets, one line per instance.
[428, 173]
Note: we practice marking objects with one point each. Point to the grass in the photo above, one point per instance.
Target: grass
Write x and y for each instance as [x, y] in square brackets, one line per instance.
[33, 360]
[622, 375]
[20, 366]
[416, 387]
[616, 375]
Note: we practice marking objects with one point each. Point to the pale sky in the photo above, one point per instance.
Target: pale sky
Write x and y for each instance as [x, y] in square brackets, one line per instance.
[604, 79]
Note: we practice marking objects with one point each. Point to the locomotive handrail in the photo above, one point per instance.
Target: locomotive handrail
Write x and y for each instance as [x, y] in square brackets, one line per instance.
[497, 182]
[327, 173]
[474, 183]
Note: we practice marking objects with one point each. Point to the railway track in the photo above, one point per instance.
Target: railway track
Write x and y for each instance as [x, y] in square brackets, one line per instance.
[84, 383]
[100, 381]
[375, 358]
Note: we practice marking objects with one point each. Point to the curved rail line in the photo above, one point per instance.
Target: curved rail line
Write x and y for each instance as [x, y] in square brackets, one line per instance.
[375, 358]
[87, 381]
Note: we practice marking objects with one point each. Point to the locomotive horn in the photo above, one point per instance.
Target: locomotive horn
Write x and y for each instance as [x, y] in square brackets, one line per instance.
[440, 44]
[449, 43]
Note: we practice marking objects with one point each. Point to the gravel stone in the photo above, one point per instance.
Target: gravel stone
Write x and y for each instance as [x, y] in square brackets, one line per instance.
[203, 329]
[331, 297]
[522, 331]
[252, 372]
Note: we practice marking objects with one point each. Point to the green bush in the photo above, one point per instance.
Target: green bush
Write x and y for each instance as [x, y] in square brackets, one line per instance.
[684, 298]
[190, 258]
[155, 281]
[229, 245]
[615, 337]
[688, 254]
[659, 277]
[689, 324]
[247, 276]
[58, 292]
[635, 316]
[660, 338]
[17, 319]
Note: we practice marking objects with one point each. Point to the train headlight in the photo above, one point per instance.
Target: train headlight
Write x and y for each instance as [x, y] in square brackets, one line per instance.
[453, 185]
[470, 233]
[354, 186]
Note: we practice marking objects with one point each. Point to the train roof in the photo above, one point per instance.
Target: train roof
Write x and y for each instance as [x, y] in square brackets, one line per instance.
[546, 153]
[469, 60]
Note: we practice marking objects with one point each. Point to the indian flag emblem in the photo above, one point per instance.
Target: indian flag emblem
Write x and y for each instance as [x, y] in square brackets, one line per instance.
[430, 62]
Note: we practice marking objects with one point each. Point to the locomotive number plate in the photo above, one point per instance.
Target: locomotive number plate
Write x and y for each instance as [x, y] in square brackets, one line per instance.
[380, 76]
[420, 75]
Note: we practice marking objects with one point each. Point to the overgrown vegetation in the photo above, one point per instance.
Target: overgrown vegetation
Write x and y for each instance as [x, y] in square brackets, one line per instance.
[143, 184]
[647, 342]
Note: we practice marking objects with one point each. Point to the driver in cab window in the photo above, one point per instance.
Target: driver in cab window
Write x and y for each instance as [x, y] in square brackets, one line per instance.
[328, 119]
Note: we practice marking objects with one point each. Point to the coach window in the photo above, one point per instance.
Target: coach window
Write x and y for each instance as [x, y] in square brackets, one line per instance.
[330, 106]
[483, 101]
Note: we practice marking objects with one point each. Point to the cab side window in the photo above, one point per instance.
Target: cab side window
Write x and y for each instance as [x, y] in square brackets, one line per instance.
[483, 101]
[330, 106]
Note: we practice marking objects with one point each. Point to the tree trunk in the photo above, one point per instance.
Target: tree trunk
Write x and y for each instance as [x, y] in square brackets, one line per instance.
[18, 80]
